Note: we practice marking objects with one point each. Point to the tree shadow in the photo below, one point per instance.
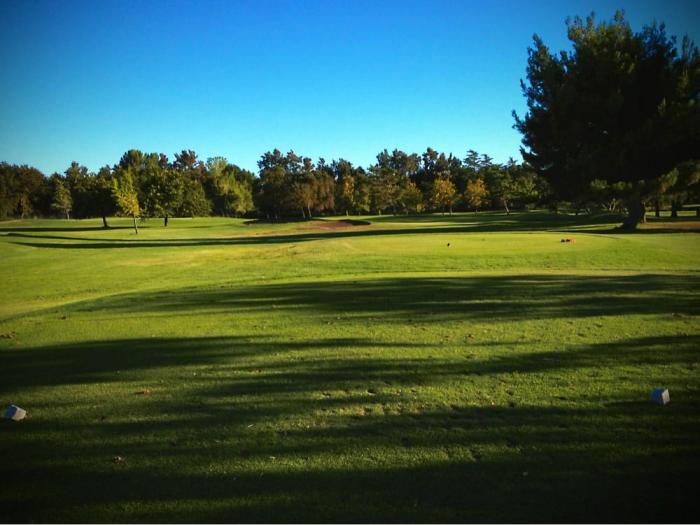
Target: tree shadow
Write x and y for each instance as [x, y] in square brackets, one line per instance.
[681, 219]
[307, 440]
[41, 229]
[656, 225]
[428, 299]
[254, 428]
[486, 223]
[536, 219]
[489, 222]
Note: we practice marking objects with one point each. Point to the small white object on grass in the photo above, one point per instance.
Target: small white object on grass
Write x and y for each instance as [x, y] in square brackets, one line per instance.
[660, 396]
[15, 413]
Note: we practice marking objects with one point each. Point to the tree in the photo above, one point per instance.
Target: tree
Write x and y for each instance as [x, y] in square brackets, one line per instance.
[162, 189]
[126, 195]
[680, 183]
[412, 198]
[324, 188]
[102, 197]
[620, 106]
[362, 187]
[24, 206]
[272, 192]
[132, 159]
[432, 166]
[343, 173]
[23, 191]
[187, 160]
[606, 195]
[352, 188]
[302, 192]
[194, 201]
[78, 182]
[62, 201]
[443, 194]
[525, 187]
[499, 185]
[385, 190]
[230, 187]
[476, 195]
[388, 177]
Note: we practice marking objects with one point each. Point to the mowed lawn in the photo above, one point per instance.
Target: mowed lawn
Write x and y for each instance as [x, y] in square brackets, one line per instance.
[437, 368]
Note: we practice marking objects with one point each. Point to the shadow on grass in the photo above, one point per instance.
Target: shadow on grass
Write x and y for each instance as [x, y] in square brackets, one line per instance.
[337, 440]
[113, 361]
[77, 228]
[482, 223]
[255, 428]
[489, 222]
[424, 300]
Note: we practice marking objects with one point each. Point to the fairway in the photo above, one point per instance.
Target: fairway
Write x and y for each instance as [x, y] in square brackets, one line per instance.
[442, 368]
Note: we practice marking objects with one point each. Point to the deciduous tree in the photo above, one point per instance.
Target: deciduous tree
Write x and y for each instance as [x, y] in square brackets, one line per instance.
[476, 195]
[126, 195]
[62, 201]
[443, 194]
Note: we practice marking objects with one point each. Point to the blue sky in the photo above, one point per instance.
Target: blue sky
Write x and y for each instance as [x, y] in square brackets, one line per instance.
[88, 80]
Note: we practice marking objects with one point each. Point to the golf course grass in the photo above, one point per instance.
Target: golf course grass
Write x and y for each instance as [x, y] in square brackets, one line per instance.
[441, 368]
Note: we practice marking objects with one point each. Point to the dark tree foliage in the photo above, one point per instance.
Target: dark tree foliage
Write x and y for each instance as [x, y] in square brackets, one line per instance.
[273, 195]
[102, 199]
[61, 201]
[24, 192]
[389, 178]
[352, 188]
[619, 107]
[79, 184]
[228, 187]
[161, 188]
[288, 185]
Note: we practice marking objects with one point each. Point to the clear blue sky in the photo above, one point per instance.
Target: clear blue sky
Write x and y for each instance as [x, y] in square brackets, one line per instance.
[88, 80]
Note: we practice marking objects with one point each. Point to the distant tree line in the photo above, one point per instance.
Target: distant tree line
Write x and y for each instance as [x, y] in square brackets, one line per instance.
[287, 185]
[140, 185]
[143, 185]
[397, 183]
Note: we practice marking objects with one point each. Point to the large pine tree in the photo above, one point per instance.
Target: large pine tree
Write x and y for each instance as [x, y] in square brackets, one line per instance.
[620, 106]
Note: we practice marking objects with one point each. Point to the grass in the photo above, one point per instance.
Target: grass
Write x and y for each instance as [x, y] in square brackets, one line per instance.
[324, 372]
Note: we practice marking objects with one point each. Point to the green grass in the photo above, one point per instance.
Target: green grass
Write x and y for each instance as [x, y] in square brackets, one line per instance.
[306, 372]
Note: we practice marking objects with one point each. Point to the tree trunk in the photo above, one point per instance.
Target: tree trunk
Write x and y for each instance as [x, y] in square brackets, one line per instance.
[67, 215]
[104, 222]
[636, 214]
[165, 221]
[657, 208]
[303, 213]
[675, 206]
[309, 210]
[505, 203]
[136, 228]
